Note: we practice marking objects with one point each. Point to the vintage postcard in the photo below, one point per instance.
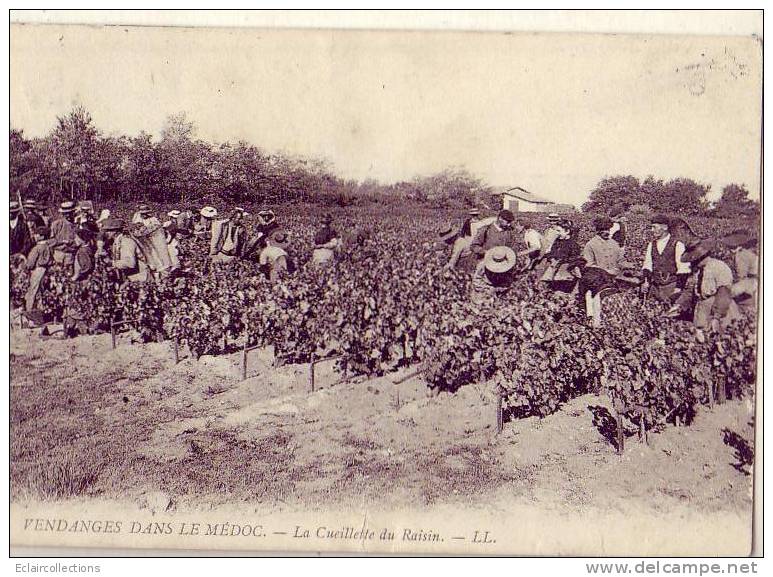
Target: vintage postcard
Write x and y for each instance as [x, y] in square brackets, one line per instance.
[384, 292]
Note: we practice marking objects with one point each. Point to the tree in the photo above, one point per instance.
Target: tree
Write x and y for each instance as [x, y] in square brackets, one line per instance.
[74, 144]
[453, 186]
[735, 202]
[617, 194]
[613, 194]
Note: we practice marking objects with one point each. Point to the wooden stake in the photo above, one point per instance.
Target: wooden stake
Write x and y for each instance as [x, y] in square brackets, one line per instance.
[244, 361]
[176, 349]
[710, 392]
[112, 334]
[311, 373]
[500, 416]
[620, 433]
[721, 391]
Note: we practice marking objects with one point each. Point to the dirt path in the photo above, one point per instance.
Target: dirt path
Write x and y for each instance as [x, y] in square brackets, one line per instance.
[130, 425]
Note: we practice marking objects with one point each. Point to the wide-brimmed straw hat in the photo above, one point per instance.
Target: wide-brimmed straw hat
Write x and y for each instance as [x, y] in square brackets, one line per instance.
[474, 212]
[67, 207]
[208, 212]
[448, 231]
[499, 259]
[699, 249]
[739, 238]
[553, 217]
[15, 207]
[31, 204]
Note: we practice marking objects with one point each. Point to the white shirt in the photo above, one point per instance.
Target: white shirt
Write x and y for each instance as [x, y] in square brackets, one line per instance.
[660, 244]
[476, 225]
[533, 239]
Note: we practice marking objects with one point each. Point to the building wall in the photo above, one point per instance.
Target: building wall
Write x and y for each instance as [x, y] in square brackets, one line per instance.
[517, 205]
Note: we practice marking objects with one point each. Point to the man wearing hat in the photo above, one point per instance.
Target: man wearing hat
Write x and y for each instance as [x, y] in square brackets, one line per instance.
[714, 304]
[462, 258]
[493, 275]
[474, 223]
[665, 274]
[504, 231]
[551, 233]
[21, 240]
[203, 228]
[742, 244]
[125, 253]
[33, 214]
[267, 225]
[39, 259]
[63, 234]
[228, 235]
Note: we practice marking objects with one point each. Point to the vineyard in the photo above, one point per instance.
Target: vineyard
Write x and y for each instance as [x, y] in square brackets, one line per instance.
[388, 303]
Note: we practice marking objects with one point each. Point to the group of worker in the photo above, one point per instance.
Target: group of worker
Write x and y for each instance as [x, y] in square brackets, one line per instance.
[147, 246]
[678, 268]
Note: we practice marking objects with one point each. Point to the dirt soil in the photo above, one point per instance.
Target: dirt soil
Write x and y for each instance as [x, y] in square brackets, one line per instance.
[129, 424]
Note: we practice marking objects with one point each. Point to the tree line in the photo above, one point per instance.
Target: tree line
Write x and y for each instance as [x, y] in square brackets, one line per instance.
[77, 161]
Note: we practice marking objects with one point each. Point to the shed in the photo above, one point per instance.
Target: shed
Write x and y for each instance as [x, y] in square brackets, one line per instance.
[518, 199]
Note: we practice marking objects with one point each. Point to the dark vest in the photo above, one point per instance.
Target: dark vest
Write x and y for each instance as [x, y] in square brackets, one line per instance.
[664, 265]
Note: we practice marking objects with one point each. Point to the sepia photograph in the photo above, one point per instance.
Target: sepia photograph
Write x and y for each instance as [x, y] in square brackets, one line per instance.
[348, 291]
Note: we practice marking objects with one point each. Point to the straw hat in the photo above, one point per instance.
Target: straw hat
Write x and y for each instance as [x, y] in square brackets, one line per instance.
[208, 212]
[499, 259]
[474, 212]
[174, 213]
[448, 231]
[31, 204]
[739, 238]
[553, 218]
[15, 207]
[67, 207]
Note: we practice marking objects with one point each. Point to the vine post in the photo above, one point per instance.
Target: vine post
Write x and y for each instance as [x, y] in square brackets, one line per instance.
[500, 416]
[311, 373]
[620, 433]
[176, 349]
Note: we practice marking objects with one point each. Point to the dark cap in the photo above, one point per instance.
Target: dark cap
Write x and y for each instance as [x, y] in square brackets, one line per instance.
[661, 218]
[506, 215]
[602, 223]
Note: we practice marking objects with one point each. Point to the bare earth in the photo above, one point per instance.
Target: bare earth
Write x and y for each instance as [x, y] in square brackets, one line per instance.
[94, 425]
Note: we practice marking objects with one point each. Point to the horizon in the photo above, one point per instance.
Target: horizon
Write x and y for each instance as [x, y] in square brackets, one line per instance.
[663, 106]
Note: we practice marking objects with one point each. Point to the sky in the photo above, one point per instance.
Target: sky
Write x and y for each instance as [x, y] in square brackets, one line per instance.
[552, 113]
